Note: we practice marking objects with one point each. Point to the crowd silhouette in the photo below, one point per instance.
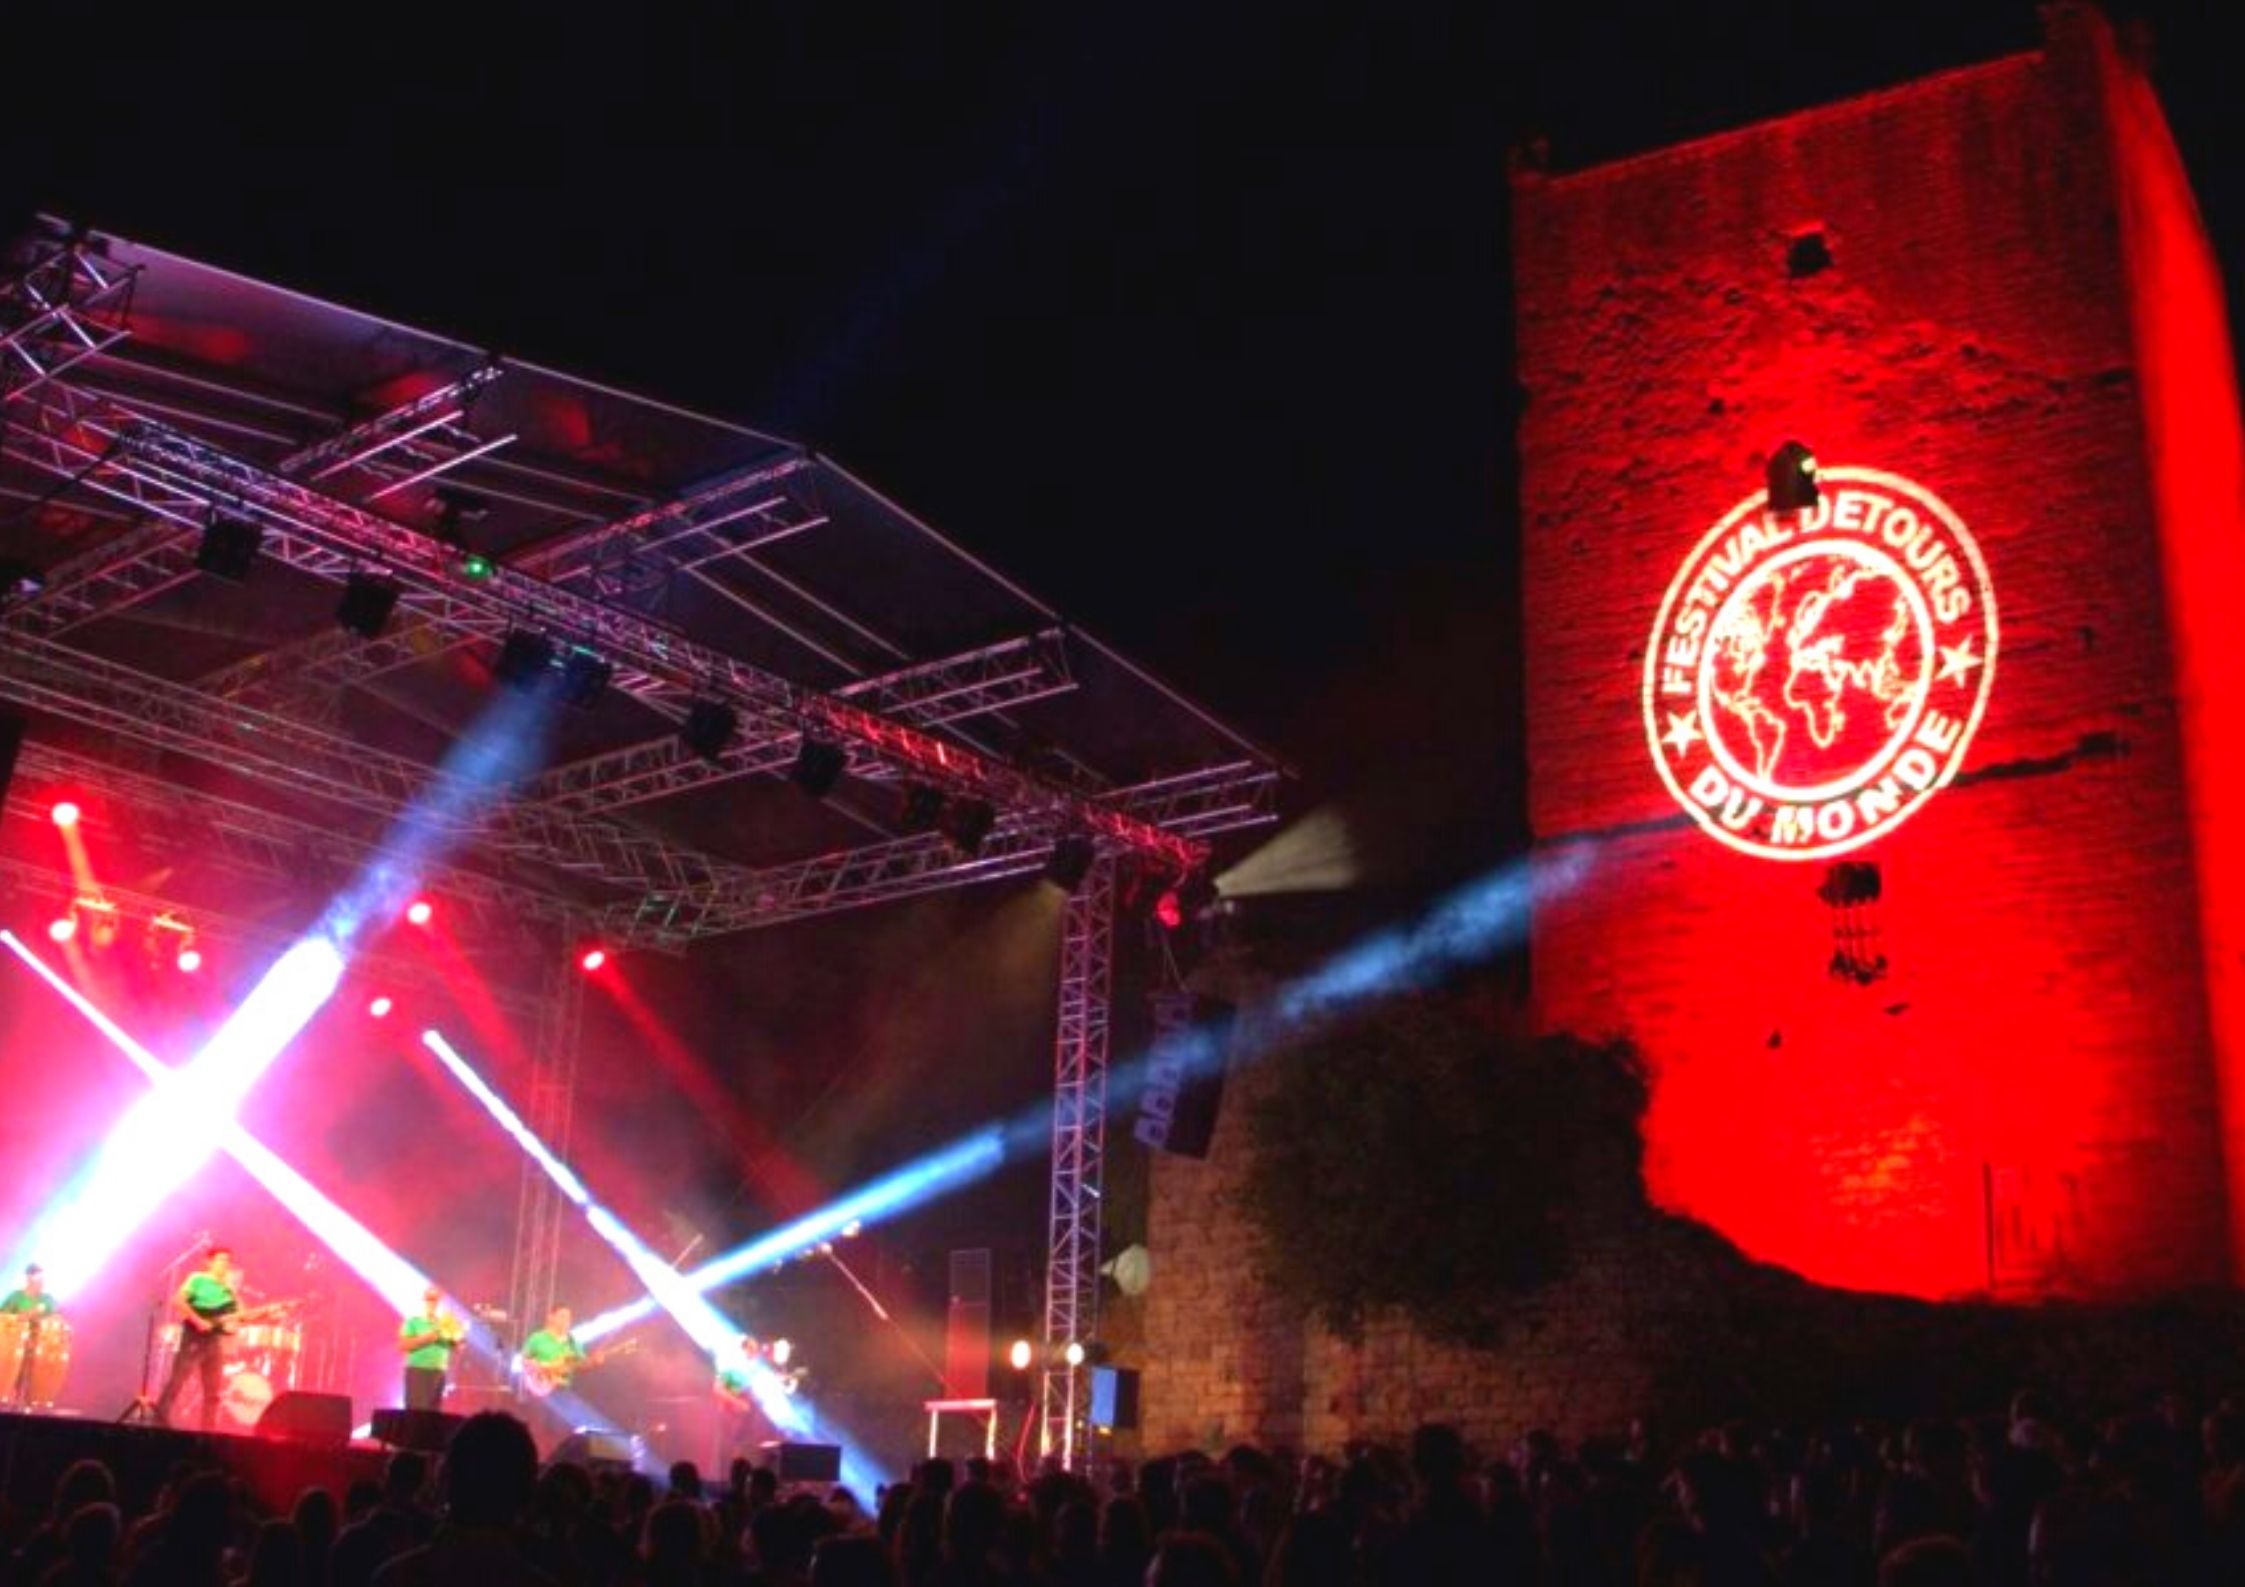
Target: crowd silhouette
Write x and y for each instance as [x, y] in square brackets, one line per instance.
[2031, 1497]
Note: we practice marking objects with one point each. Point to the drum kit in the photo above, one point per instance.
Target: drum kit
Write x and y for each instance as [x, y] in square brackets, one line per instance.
[261, 1362]
[34, 1359]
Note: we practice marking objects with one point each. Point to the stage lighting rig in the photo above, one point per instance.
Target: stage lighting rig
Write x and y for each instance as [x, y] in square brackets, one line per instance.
[229, 547]
[922, 808]
[584, 677]
[368, 600]
[171, 940]
[818, 767]
[967, 824]
[456, 510]
[523, 659]
[1792, 478]
[20, 580]
[710, 728]
[1071, 861]
[65, 814]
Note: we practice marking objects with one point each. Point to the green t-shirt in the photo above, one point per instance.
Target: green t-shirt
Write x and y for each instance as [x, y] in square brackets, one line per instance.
[437, 1353]
[19, 1300]
[551, 1349]
[208, 1296]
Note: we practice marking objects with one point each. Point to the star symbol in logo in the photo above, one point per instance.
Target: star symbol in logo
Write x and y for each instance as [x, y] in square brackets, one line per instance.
[1957, 662]
[1683, 731]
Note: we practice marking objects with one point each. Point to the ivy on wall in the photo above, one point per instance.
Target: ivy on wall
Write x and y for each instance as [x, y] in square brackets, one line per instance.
[1423, 1158]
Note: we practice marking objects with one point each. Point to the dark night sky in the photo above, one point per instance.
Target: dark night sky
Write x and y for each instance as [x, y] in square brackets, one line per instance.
[1195, 322]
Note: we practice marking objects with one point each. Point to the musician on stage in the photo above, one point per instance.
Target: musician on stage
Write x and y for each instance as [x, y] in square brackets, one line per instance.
[428, 1339]
[203, 1304]
[552, 1354]
[33, 1297]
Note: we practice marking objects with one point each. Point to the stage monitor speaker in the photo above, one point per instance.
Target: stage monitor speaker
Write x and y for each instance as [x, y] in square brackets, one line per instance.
[428, 1431]
[1184, 1090]
[805, 1462]
[298, 1416]
[595, 1446]
[1114, 1398]
[966, 1328]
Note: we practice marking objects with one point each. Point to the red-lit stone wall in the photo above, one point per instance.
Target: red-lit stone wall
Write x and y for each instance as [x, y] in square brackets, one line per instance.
[2027, 1098]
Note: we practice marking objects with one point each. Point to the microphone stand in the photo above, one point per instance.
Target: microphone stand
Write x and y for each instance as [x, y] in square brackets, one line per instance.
[142, 1410]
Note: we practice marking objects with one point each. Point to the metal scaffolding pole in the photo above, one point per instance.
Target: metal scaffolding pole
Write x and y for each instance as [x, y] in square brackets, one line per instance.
[1079, 1155]
[540, 1209]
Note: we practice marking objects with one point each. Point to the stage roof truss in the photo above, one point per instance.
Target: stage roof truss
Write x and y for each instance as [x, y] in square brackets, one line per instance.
[600, 580]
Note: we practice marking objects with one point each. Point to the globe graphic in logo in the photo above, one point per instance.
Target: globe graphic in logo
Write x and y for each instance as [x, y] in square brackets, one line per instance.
[1816, 676]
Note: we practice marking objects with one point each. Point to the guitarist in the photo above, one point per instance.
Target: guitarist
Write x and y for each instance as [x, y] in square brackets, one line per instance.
[552, 1356]
[203, 1305]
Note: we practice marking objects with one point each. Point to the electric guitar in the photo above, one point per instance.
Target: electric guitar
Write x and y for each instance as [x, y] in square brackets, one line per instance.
[541, 1378]
[225, 1319]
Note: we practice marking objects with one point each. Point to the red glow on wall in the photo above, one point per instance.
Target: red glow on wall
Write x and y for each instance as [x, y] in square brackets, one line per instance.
[2011, 1088]
[2192, 429]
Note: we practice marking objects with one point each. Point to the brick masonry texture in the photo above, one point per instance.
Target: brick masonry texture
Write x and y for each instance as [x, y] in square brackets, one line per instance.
[2025, 1106]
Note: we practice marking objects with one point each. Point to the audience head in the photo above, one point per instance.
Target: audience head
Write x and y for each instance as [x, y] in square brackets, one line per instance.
[490, 1469]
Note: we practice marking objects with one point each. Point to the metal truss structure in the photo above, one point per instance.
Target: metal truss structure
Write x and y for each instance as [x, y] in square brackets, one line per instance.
[1079, 1156]
[541, 1211]
[567, 852]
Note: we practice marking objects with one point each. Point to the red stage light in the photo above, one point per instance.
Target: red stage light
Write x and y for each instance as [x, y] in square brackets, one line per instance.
[65, 814]
[62, 929]
[379, 1008]
[593, 959]
[1169, 910]
[419, 912]
[189, 961]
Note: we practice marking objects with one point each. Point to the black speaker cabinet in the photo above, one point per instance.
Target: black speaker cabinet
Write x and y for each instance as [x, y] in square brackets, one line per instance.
[806, 1462]
[428, 1431]
[301, 1417]
[596, 1446]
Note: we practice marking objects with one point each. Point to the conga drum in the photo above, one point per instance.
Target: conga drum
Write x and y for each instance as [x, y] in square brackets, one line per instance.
[50, 1362]
[15, 1338]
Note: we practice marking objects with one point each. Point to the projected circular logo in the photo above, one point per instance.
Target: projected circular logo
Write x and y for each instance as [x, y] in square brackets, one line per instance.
[1814, 677]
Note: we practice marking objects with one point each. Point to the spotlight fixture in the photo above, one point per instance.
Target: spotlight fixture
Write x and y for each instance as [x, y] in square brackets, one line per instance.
[62, 928]
[523, 659]
[818, 767]
[1074, 1354]
[592, 959]
[20, 579]
[456, 509]
[379, 1008]
[967, 824]
[65, 814]
[1022, 1356]
[229, 547]
[419, 912]
[782, 1349]
[367, 603]
[583, 677]
[709, 728]
[923, 807]
[1792, 478]
[1169, 910]
[1070, 862]
[190, 960]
